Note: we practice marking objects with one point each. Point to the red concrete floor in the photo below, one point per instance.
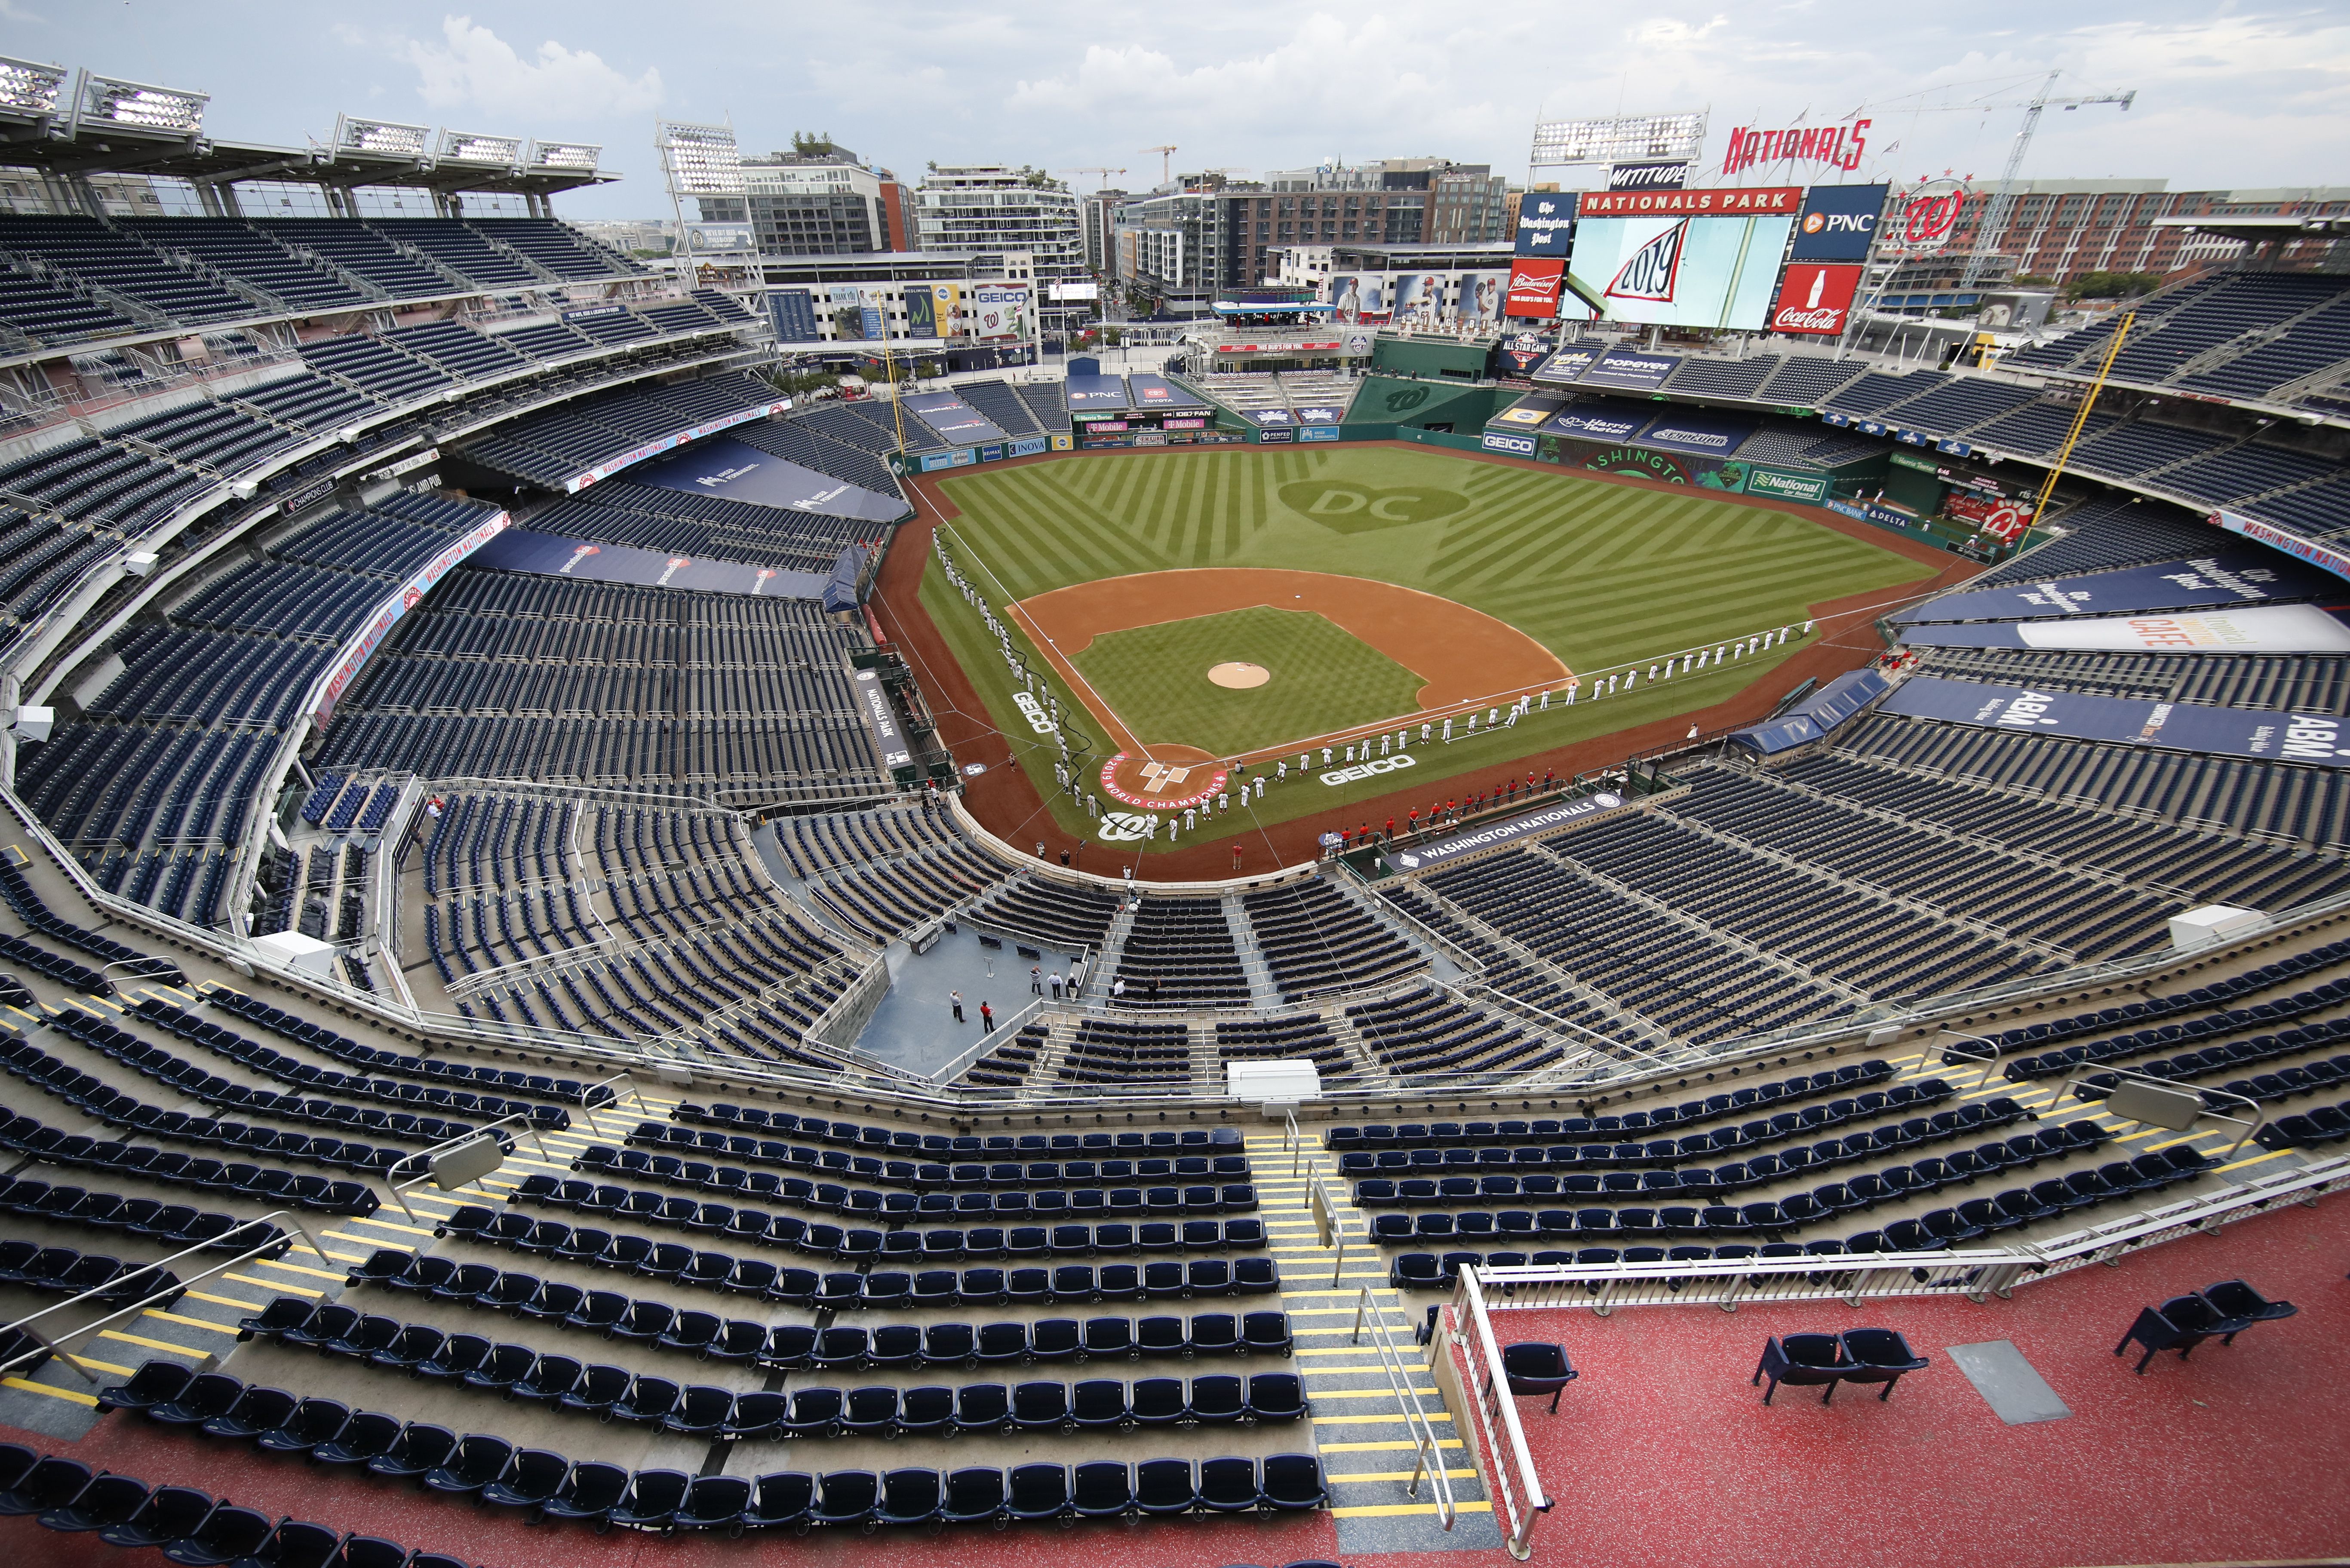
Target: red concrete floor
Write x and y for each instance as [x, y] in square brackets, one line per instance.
[1663, 1456]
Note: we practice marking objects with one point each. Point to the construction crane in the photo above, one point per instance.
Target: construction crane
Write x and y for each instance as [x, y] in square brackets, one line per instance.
[1166, 155]
[2003, 198]
[1102, 182]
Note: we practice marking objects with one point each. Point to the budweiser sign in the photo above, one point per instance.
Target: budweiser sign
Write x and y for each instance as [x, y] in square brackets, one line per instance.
[1759, 199]
[1534, 284]
[1837, 146]
[1815, 300]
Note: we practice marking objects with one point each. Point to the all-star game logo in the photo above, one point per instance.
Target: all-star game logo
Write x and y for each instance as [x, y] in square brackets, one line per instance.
[1161, 786]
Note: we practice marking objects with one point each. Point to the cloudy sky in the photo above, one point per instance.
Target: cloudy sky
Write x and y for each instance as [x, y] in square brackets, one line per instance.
[2228, 95]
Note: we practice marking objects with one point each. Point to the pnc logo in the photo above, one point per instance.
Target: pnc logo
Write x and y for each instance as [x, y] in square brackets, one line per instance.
[1355, 508]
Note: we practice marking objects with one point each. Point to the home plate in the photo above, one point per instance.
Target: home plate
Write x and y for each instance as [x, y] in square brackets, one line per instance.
[1239, 677]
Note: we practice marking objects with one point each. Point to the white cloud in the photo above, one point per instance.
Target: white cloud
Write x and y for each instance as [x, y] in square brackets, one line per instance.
[12, 12]
[472, 67]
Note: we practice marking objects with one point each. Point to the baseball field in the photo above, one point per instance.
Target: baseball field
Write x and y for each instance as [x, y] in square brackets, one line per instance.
[1193, 609]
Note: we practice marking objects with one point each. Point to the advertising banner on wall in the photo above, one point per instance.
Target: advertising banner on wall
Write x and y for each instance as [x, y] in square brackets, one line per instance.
[1631, 371]
[1359, 297]
[550, 555]
[1546, 223]
[370, 636]
[2264, 629]
[921, 313]
[1096, 392]
[2228, 578]
[1838, 222]
[1679, 270]
[1520, 352]
[1479, 300]
[1648, 176]
[1568, 364]
[793, 311]
[1815, 298]
[654, 448]
[2293, 545]
[1770, 483]
[1528, 412]
[734, 470]
[1535, 288]
[2265, 734]
[952, 417]
[997, 311]
[1597, 421]
[1996, 515]
[704, 239]
[1698, 431]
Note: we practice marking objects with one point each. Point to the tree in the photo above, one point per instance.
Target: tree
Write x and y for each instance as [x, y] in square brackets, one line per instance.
[2111, 285]
[2031, 280]
[813, 144]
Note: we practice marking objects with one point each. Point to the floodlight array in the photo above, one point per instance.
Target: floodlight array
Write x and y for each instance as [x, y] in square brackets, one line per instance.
[567, 155]
[139, 106]
[29, 88]
[700, 159]
[1558, 142]
[381, 137]
[469, 147]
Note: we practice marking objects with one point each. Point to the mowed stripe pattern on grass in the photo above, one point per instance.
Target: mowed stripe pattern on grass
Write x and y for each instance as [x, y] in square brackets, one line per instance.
[1599, 573]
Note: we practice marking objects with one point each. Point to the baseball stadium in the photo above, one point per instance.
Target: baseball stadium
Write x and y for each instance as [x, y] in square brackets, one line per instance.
[826, 876]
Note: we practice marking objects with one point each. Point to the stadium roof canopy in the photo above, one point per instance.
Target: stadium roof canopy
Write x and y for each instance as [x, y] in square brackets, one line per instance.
[69, 125]
[2261, 228]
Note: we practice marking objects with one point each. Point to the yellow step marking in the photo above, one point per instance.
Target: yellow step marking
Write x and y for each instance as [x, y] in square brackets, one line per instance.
[1373, 1420]
[216, 1300]
[164, 1346]
[275, 1285]
[1399, 1510]
[386, 1225]
[335, 1275]
[1388, 1448]
[1463, 1474]
[89, 1401]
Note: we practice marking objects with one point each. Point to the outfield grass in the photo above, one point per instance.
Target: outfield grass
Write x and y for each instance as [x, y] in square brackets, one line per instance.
[1601, 573]
[1323, 680]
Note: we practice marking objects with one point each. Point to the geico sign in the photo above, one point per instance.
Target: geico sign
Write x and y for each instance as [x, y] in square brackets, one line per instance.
[1038, 719]
[1335, 776]
[1496, 441]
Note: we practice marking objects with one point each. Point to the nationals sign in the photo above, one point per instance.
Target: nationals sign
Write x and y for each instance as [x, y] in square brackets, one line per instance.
[1837, 146]
[1815, 298]
[1930, 216]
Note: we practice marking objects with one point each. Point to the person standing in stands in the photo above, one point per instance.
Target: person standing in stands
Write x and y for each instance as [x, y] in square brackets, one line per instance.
[986, 1019]
[956, 998]
[1153, 997]
[1118, 988]
[1056, 985]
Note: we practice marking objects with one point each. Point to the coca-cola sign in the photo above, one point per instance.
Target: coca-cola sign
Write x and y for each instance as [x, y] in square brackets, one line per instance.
[1930, 216]
[1816, 299]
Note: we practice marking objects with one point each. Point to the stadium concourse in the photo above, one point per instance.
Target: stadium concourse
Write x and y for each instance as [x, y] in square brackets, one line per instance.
[507, 811]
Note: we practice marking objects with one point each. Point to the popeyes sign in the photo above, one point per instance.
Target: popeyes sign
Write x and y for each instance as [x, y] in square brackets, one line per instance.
[1928, 217]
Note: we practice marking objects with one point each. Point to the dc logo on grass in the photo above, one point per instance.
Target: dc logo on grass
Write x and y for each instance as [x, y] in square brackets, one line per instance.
[1356, 508]
[1125, 826]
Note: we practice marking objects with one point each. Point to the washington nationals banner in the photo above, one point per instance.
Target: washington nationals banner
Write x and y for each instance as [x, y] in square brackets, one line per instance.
[2231, 577]
[1428, 857]
[2263, 734]
[2264, 629]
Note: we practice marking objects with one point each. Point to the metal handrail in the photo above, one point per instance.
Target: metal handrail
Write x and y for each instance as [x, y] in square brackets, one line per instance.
[423, 1162]
[1428, 1451]
[1852, 1278]
[52, 1345]
[1521, 1494]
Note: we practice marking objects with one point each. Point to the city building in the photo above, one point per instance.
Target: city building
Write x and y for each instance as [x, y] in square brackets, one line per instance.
[990, 207]
[826, 298]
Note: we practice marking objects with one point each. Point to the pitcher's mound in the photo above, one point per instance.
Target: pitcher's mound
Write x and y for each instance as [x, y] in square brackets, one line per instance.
[1239, 677]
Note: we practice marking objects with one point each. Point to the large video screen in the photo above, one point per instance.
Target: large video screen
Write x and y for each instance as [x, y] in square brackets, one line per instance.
[1718, 271]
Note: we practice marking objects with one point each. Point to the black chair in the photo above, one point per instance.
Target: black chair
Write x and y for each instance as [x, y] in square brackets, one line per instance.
[1102, 1489]
[155, 1382]
[169, 1514]
[1806, 1360]
[780, 1497]
[108, 1501]
[1039, 1491]
[2236, 1301]
[226, 1535]
[588, 1494]
[652, 1500]
[715, 1502]
[1227, 1485]
[1165, 1487]
[367, 1435]
[1878, 1355]
[532, 1478]
[846, 1497]
[314, 1422]
[974, 1495]
[296, 1544]
[478, 1460]
[1293, 1482]
[422, 1449]
[911, 1496]
[1536, 1369]
[53, 1482]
